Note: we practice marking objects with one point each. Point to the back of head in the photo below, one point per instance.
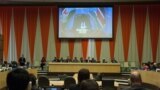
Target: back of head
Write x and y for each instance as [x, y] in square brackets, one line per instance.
[135, 78]
[83, 74]
[89, 85]
[33, 79]
[18, 79]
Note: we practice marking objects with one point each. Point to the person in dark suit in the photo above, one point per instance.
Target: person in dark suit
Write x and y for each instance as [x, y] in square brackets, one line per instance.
[87, 60]
[104, 61]
[83, 74]
[81, 59]
[55, 59]
[61, 59]
[75, 59]
[68, 59]
[22, 60]
[43, 62]
[17, 79]
[89, 85]
[93, 60]
[113, 60]
[5, 64]
[136, 82]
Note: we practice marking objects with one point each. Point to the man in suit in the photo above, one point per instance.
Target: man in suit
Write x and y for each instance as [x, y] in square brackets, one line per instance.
[136, 82]
[75, 59]
[22, 60]
[83, 74]
[89, 85]
[113, 60]
[93, 60]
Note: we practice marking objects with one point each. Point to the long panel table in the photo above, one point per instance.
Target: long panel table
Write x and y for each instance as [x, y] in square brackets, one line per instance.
[93, 67]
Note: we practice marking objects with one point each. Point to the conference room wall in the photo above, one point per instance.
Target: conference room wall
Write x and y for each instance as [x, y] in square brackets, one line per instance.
[33, 31]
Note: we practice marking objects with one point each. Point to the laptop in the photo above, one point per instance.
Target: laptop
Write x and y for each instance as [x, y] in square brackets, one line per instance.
[53, 88]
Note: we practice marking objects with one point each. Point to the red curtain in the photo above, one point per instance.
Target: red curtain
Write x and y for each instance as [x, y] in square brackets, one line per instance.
[115, 21]
[71, 48]
[55, 24]
[45, 13]
[126, 18]
[154, 20]
[84, 48]
[18, 27]
[31, 13]
[140, 20]
[98, 49]
[5, 17]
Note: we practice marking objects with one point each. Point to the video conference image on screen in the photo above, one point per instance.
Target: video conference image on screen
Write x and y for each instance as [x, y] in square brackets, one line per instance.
[85, 22]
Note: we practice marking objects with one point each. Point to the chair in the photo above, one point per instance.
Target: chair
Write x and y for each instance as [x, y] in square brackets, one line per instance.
[108, 84]
[132, 65]
[98, 77]
[121, 65]
[68, 82]
[126, 66]
[43, 82]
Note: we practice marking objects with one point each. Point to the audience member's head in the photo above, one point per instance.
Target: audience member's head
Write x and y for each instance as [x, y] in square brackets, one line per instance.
[5, 62]
[89, 85]
[18, 79]
[14, 64]
[135, 78]
[33, 79]
[83, 74]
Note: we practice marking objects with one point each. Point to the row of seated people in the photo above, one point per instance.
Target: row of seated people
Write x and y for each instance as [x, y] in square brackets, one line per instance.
[75, 60]
[93, 60]
[150, 66]
[9, 66]
[21, 62]
[68, 59]
[20, 79]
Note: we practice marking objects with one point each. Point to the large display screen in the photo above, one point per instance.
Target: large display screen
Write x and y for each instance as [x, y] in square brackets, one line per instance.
[85, 22]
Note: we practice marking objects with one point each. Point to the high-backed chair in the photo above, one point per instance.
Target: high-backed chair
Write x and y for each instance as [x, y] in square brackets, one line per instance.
[132, 65]
[68, 82]
[108, 84]
[126, 67]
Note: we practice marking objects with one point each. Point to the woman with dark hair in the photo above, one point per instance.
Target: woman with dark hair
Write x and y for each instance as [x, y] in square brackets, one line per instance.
[43, 62]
